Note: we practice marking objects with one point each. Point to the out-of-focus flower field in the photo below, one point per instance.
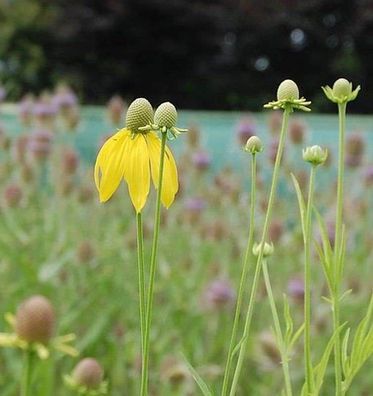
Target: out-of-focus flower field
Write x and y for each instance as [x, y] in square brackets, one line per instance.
[57, 240]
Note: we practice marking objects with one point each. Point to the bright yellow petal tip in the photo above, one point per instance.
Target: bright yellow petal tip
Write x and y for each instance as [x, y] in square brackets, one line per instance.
[110, 164]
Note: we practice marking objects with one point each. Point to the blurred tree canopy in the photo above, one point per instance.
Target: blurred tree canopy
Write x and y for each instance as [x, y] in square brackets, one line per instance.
[222, 54]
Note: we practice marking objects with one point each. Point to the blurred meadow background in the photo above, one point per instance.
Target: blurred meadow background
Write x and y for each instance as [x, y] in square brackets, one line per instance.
[68, 70]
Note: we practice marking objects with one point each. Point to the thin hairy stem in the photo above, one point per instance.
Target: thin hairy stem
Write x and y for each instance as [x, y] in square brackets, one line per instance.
[337, 249]
[141, 277]
[243, 280]
[309, 380]
[153, 267]
[258, 267]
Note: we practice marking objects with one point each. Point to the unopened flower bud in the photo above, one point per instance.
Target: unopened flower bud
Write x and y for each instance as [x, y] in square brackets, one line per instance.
[166, 115]
[287, 90]
[315, 155]
[254, 145]
[342, 88]
[342, 91]
[267, 250]
[88, 372]
[35, 320]
[139, 114]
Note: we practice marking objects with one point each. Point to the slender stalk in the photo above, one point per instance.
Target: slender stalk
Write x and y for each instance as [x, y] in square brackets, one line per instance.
[141, 275]
[153, 262]
[341, 168]
[26, 373]
[267, 219]
[279, 335]
[337, 248]
[243, 280]
[309, 380]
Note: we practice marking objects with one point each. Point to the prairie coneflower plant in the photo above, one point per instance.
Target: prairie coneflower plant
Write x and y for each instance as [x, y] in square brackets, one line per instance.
[136, 154]
[33, 333]
[253, 146]
[288, 100]
[341, 93]
[316, 156]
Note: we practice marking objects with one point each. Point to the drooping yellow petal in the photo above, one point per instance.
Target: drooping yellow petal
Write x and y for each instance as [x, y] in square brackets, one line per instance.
[110, 164]
[137, 172]
[170, 179]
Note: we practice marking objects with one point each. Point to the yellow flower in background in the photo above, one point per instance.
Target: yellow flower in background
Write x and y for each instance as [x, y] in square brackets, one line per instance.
[133, 155]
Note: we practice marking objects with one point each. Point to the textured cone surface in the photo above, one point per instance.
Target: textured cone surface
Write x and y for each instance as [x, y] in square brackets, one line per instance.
[139, 114]
[35, 320]
[89, 373]
[288, 90]
[166, 115]
[341, 88]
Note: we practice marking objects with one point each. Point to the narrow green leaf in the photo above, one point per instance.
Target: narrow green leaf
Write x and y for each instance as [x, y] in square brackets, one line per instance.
[325, 266]
[319, 370]
[206, 391]
[345, 294]
[301, 204]
[362, 347]
[238, 346]
[288, 321]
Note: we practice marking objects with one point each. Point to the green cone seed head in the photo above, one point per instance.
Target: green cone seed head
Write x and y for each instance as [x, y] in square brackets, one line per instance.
[166, 115]
[315, 155]
[35, 320]
[287, 90]
[88, 372]
[267, 251]
[342, 88]
[139, 114]
[254, 145]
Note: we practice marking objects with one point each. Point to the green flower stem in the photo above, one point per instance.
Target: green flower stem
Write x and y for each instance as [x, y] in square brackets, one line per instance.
[141, 274]
[341, 168]
[337, 248]
[26, 373]
[243, 280]
[254, 288]
[309, 379]
[278, 331]
[153, 262]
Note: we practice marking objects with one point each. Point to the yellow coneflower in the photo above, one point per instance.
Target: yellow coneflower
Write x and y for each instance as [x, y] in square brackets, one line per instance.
[133, 154]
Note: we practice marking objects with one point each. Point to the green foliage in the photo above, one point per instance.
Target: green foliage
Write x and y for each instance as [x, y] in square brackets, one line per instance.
[361, 348]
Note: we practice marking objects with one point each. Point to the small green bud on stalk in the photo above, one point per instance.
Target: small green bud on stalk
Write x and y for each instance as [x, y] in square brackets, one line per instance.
[166, 115]
[35, 320]
[341, 92]
[315, 155]
[288, 90]
[288, 98]
[267, 251]
[342, 88]
[139, 114]
[88, 373]
[254, 145]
